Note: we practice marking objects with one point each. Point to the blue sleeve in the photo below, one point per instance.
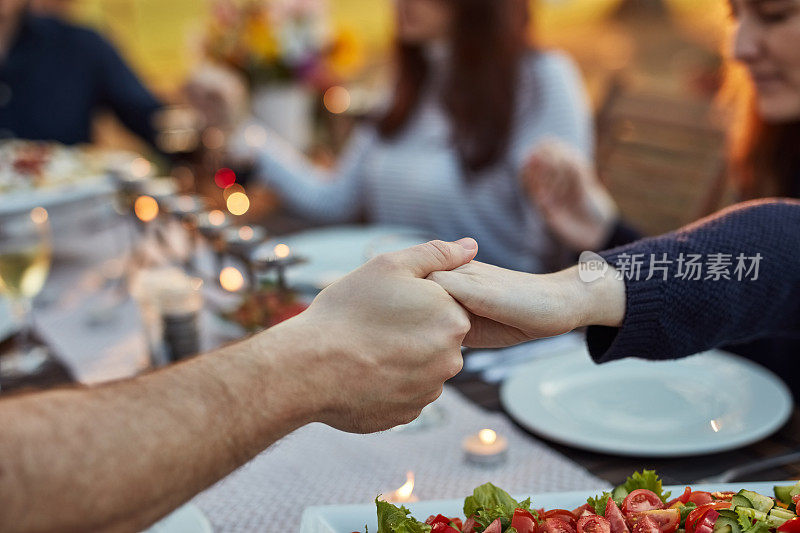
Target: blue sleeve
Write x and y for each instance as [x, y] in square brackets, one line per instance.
[746, 287]
[121, 91]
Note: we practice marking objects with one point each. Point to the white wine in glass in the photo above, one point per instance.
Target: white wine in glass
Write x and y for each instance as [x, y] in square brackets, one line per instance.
[25, 255]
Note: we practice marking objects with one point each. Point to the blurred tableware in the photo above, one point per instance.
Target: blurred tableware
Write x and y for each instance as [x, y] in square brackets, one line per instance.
[753, 467]
[349, 518]
[333, 252]
[7, 324]
[187, 519]
[704, 404]
[25, 254]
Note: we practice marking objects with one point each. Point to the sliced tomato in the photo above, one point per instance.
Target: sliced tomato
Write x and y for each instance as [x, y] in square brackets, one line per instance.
[523, 522]
[692, 521]
[706, 524]
[796, 499]
[457, 523]
[437, 519]
[699, 497]
[615, 518]
[641, 500]
[585, 507]
[683, 498]
[469, 525]
[494, 527]
[556, 525]
[790, 526]
[438, 527]
[667, 520]
[646, 525]
[563, 514]
[592, 523]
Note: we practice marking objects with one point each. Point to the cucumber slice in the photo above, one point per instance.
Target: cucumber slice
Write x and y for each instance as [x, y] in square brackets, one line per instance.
[726, 524]
[776, 521]
[783, 513]
[784, 493]
[741, 501]
[751, 513]
[760, 502]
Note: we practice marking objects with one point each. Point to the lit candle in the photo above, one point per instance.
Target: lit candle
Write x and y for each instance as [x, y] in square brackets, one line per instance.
[486, 448]
[404, 494]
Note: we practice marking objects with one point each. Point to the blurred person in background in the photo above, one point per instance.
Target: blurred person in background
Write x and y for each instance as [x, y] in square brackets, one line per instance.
[764, 159]
[55, 76]
[471, 100]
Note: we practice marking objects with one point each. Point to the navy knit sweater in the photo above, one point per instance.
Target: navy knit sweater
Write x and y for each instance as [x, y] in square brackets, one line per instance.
[681, 315]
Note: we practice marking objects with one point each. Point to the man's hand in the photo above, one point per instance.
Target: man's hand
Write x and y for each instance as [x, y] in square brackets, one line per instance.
[386, 339]
[573, 202]
[509, 307]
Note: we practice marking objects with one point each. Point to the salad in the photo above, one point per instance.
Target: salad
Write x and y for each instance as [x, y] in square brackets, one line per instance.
[640, 505]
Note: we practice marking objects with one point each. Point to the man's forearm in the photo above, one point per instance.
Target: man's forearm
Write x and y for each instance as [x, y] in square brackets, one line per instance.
[124, 454]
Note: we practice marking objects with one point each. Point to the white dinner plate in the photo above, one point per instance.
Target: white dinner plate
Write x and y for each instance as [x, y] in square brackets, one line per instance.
[703, 404]
[349, 518]
[187, 519]
[334, 252]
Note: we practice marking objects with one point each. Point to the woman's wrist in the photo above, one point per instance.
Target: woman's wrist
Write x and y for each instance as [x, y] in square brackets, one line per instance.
[605, 300]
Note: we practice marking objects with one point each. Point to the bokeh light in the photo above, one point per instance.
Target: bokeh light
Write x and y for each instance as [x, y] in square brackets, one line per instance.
[232, 189]
[282, 251]
[141, 167]
[337, 100]
[224, 178]
[146, 208]
[231, 279]
[216, 217]
[39, 215]
[246, 233]
[238, 203]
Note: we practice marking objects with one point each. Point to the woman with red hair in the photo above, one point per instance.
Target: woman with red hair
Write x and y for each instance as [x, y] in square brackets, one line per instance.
[470, 102]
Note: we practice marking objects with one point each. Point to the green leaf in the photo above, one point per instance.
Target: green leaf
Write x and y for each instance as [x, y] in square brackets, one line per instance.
[599, 503]
[392, 519]
[488, 503]
[646, 479]
[685, 509]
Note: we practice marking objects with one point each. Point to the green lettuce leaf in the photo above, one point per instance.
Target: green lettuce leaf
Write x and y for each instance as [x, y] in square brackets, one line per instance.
[599, 503]
[488, 503]
[646, 479]
[392, 519]
[685, 509]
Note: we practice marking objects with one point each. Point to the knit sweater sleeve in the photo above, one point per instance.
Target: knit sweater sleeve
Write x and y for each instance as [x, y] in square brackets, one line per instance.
[747, 285]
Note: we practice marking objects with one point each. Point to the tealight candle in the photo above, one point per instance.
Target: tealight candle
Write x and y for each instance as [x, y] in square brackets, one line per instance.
[404, 494]
[486, 448]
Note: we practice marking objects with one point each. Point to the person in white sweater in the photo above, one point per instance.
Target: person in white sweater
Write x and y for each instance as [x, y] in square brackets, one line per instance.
[471, 104]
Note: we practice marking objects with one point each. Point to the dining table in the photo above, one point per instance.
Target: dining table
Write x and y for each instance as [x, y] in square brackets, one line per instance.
[318, 465]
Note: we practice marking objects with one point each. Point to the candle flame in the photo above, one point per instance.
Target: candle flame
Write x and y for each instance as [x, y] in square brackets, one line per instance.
[403, 494]
[231, 279]
[487, 436]
[145, 208]
[282, 251]
[216, 217]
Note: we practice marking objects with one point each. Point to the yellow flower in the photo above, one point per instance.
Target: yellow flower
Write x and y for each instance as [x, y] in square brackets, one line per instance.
[346, 53]
[260, 40]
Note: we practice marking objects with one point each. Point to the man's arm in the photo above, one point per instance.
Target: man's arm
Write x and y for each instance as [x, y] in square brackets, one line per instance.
[119, 456]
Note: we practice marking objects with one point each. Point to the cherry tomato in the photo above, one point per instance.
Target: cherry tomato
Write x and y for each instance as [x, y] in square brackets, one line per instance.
[722, 495]
[790, 526]
[641, 500]
[667, 520]
[706, 524]
[683, 498]
[564, 515]
[796, 499]
[457, 523]
[580, 510]
[615, 518]
[438, 527]
[494, 527]
[437, 519]
[646, 525]
[700, 497]
[556, 525]
[523, 522]
[593, 524]
[699, 513]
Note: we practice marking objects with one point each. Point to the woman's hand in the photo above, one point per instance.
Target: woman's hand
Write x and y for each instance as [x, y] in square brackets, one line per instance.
[573, 202]
[508, 308]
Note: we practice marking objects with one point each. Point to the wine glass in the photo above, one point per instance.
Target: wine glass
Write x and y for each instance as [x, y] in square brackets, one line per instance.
[25, 255]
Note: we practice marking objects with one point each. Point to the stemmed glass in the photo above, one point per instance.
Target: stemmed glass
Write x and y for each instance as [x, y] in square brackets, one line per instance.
[25, 255]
